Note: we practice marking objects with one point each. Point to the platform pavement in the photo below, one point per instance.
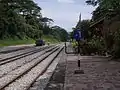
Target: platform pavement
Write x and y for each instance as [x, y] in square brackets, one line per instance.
[99, 74]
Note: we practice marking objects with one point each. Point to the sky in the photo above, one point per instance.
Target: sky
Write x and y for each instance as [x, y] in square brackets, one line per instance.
[65, 13]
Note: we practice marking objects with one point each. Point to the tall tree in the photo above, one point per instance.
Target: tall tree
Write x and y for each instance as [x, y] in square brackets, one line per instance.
[59, 33]
[105, 7]
[21, 18]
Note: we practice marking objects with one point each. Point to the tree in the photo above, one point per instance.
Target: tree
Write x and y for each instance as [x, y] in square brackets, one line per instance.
[110, 10]
[59, 33]
[84, 26]
[23, 19]
[105, 7]
[18, 18]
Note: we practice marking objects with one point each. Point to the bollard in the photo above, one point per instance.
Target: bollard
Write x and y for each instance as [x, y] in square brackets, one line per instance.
[79, 63]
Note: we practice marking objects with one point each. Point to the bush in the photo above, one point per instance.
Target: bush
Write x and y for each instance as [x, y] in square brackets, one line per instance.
[116, 46]
[95, 45]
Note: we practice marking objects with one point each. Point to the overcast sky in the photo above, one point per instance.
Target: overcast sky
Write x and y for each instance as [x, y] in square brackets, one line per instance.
[65, 13]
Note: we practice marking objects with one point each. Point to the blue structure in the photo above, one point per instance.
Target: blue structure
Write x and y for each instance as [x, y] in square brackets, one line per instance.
[78, 35]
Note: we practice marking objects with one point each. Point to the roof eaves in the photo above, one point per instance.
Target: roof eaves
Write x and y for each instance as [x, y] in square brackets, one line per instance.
[97, 21]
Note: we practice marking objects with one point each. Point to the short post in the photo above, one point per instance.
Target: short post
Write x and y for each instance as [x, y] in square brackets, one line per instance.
[79, 64]
[79, 55]
[65, 48]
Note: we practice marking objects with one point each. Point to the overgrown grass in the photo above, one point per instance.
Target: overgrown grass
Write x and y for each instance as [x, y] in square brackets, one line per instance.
[50, 39]
[9, 42]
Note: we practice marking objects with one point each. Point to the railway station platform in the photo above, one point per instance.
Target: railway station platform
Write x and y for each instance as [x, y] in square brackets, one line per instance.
[99, 73]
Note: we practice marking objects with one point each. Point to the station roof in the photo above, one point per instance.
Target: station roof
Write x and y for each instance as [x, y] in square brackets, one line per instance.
[97, 21]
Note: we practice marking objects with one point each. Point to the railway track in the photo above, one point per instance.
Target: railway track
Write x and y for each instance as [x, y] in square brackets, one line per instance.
[14, 64]
[20, 52]
[14, 50]
[21, 55]
[25, 74]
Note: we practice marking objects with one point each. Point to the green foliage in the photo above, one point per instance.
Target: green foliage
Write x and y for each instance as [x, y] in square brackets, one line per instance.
[23, 19]
[115, 51]
[74, 44]
[97, 43]
[14, 18]
[50, 39]
[59, 33]
[15, 41]
[84, 25]
[108, 9]
[91, 43]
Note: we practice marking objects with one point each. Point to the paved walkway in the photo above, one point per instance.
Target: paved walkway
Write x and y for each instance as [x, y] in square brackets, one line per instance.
[99, 74]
